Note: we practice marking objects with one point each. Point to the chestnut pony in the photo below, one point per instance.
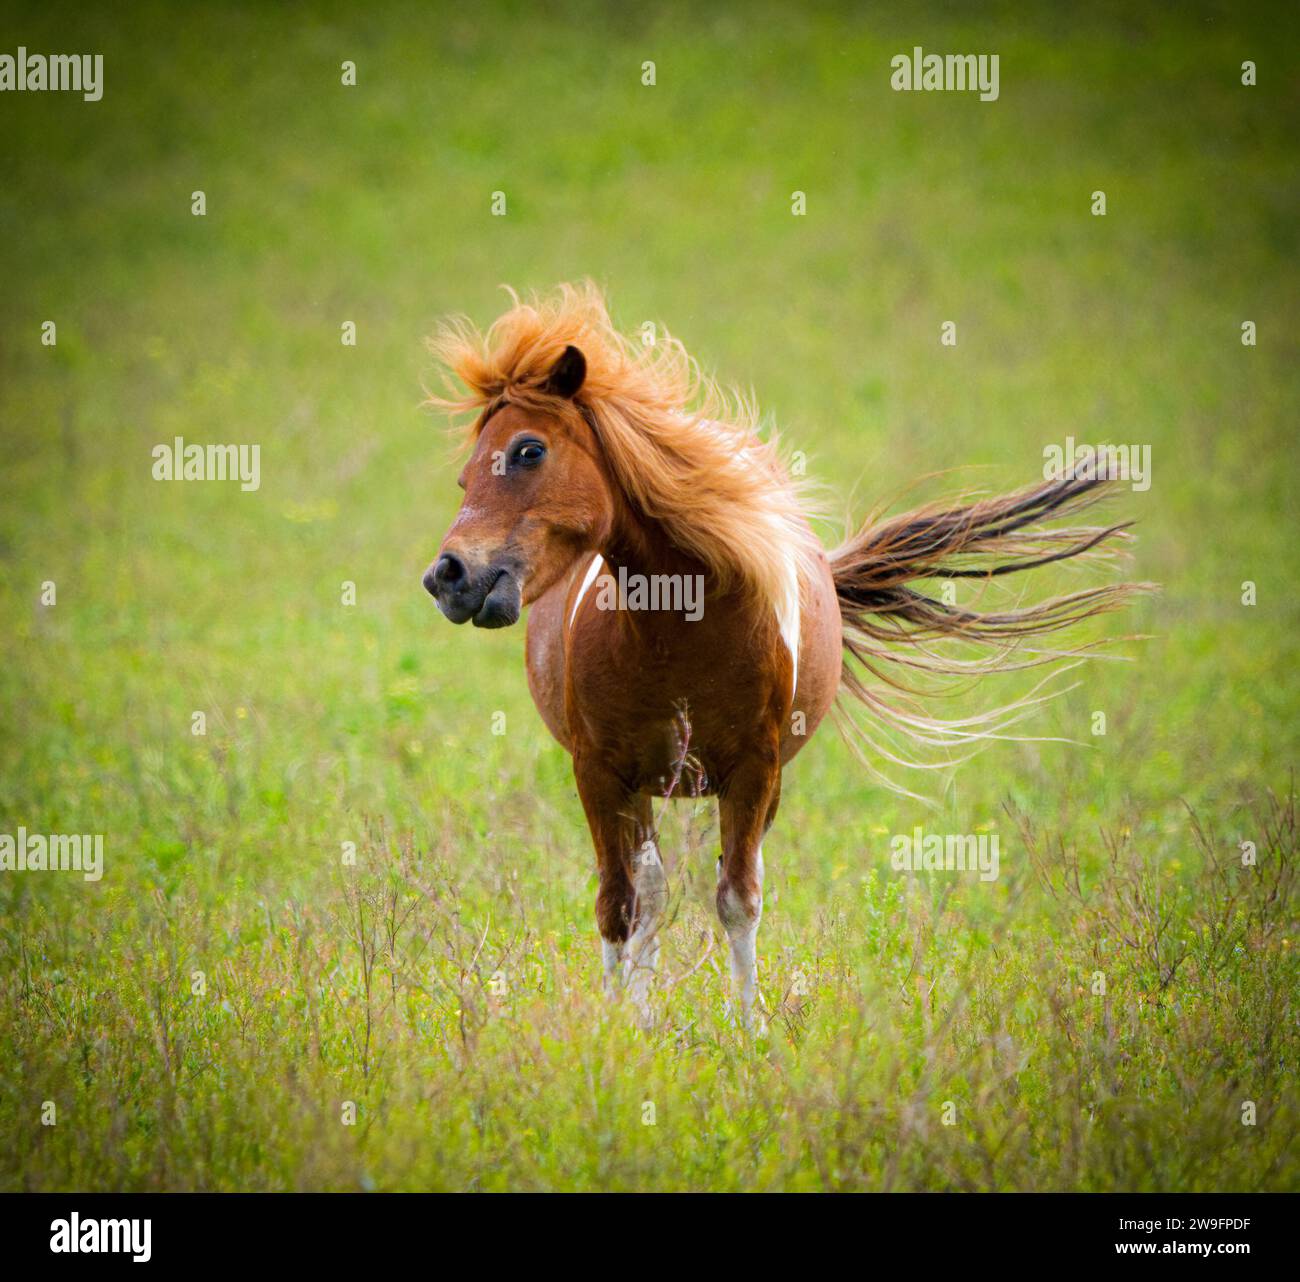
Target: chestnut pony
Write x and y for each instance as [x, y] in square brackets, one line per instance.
[686, 621]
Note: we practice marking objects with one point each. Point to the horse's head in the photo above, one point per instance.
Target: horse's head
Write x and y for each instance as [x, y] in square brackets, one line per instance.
[536, 496]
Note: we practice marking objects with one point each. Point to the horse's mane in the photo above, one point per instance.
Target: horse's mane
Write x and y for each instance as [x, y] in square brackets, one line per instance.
[685, 452]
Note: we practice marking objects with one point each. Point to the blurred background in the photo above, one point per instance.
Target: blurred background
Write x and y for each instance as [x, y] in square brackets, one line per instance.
[328, 203]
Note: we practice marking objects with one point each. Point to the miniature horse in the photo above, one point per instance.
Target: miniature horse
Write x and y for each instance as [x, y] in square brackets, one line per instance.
[599, 463]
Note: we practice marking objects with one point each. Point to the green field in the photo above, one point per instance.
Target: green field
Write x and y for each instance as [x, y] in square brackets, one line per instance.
[201, 1017]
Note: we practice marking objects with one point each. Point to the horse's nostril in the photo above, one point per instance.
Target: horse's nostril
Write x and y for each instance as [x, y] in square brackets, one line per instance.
[449, 572]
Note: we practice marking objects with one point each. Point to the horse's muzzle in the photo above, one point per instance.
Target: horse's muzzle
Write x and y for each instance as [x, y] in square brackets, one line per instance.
[489, 599]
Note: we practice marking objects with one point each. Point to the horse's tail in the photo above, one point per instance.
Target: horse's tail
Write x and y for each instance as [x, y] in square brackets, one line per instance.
[887, 621]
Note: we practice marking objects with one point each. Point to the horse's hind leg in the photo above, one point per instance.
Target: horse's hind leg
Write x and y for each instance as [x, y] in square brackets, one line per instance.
[746, 809]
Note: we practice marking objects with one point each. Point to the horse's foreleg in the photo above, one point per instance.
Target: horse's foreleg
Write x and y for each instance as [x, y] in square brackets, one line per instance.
[611, 961]
[641, 952]
[630, 896]
[746, 808]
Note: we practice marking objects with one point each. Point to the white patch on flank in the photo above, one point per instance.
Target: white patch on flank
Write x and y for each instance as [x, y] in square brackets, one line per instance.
[592, 570]
[787, 616]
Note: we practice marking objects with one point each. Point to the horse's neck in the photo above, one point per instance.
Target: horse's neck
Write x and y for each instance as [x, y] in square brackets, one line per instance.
[641, 546]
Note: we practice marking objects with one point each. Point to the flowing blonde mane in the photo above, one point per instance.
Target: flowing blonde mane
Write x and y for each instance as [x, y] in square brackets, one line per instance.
[685, 453]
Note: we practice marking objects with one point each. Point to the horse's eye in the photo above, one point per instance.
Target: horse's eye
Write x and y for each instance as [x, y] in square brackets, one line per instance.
[530, 453]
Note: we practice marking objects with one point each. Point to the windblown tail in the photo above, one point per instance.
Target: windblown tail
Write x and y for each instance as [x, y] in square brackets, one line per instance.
[889, 622]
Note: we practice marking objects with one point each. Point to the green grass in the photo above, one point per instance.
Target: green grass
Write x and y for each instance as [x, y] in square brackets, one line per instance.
[887, 997]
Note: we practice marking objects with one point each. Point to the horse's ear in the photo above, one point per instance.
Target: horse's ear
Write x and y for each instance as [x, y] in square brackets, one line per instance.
[567, 373]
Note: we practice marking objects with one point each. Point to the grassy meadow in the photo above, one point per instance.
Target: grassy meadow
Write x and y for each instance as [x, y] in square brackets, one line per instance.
[232, 1006]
